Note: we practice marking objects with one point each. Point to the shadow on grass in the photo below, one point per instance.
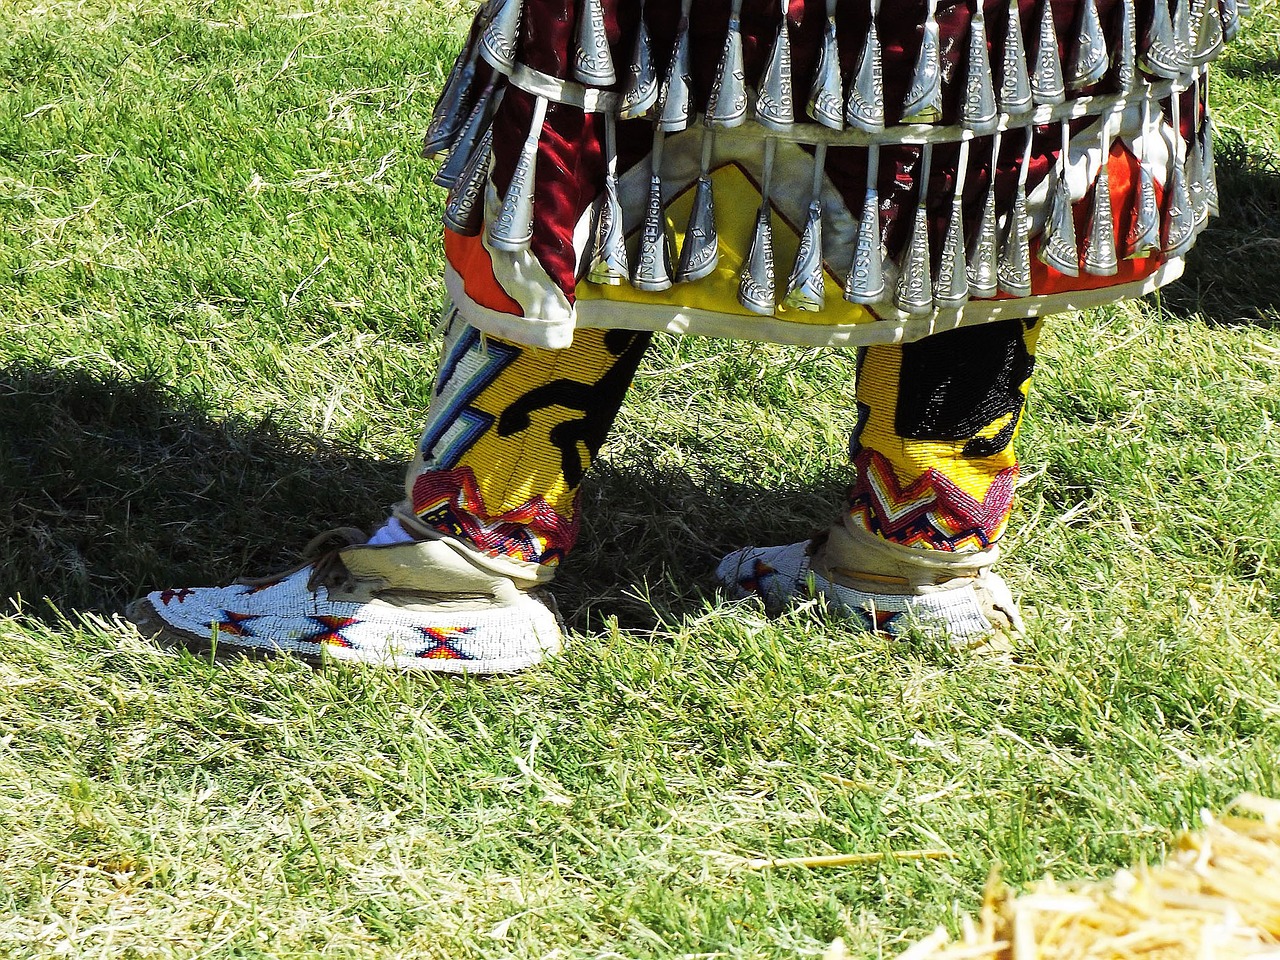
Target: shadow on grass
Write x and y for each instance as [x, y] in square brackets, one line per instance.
[1231, 277]
[109, 488]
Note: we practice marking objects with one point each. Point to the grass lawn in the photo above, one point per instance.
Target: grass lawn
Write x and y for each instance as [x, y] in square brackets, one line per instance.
[220, 267]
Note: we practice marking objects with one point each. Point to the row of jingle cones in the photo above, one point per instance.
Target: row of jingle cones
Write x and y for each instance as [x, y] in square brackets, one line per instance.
[1175, 43]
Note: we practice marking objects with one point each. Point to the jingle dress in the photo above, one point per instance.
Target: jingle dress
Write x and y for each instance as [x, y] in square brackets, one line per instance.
[821, 172]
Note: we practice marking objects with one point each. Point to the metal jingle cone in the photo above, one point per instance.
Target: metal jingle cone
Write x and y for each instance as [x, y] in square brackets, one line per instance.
[913, 294]
[1126, 49]
[826, 99]
[1209, 165]
[592, 61]
[951, 286]
[676, 99]
[641, 89]
[979, 112]
[513, 228]
[1047, 85]
[1179, 219]
[755, 284]
[1230, 12]
[465, 142]
[1058, 246]
[983, 247]
[727, 105]
[865, 283]
[775, 106]
[924, 99]
[653, 261]
[1161, 58]
[1209, 38]
[700, 251]
[1015, 81]
[609, 259]
[464, 211]
[609, 256]
[1014, 270]
[1144, 236]
[1100, 258]
[1195, 180]
[1183, 42]
[1090, 63]
[1245, 9]
[500, 37]
[864, 110]
[1179, 213]
[450, 114]
[806, 286]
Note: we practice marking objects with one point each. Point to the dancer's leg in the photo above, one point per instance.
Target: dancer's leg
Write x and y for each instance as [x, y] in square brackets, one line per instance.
[933, 487]
[492, 498]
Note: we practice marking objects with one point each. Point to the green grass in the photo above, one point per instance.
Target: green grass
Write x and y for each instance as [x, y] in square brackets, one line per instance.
[219, 272]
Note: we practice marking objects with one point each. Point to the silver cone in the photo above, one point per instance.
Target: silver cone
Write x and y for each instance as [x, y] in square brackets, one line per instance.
[755, 286]
[609, 258]
[1090, 63]
[865, 283]
[1195, 180]
[924, 99]
[913, 294]
[1126, 49]
[609, 255]
[1230, 12]
[1209, 165]
[951, 286]
[806, 287]
[1100, 258]
[1179, 211]
[864, 110]
[464, 211]
[449, 114]
[1015, 81]
[985, 241]
[727, 105]
[500, 38]
[1183, 42]
[701, 250]
[653, 260]
[826, 100]
[513, 228]
[1179, 218]
[1047, 86]
[1144, 236]
[979, 112]
[1014, 272]
[592, 61]
[640, 92]
[807, 284]
[465, 142]
[675, 99]
[1161, 58]
[1209, 37]
[775, 106]
[1058, 246]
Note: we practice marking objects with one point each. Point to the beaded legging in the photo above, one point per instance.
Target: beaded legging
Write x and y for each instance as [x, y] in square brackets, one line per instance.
[512, 430]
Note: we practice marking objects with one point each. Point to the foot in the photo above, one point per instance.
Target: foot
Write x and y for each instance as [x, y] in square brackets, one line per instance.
[424, 605]
[974, 610]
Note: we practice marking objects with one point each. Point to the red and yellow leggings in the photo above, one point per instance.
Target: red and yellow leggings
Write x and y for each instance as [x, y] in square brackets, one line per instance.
[512, 430]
